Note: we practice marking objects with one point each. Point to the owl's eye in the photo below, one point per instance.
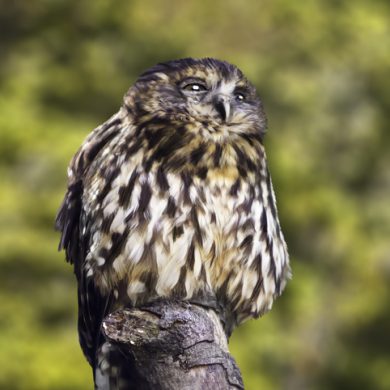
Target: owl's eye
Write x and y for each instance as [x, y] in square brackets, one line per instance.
[239, 96]
[194, 87]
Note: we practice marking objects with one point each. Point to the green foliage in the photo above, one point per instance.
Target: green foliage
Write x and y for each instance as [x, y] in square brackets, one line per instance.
[322, 70]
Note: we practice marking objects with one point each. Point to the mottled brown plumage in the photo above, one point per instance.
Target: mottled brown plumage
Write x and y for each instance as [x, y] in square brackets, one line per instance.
[172, 197]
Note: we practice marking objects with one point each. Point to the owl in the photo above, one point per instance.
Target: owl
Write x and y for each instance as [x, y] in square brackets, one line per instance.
[172, 197]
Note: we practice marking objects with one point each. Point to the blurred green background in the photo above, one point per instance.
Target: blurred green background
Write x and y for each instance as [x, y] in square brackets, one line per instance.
[322, 69]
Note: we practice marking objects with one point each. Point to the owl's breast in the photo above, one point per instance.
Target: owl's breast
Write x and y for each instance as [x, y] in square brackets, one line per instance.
[161, 234]
[232, 227]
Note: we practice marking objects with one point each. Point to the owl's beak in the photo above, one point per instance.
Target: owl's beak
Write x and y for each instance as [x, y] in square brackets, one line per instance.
[222, 105]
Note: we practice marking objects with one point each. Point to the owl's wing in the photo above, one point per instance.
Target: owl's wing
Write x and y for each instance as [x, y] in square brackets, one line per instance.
[76, 232]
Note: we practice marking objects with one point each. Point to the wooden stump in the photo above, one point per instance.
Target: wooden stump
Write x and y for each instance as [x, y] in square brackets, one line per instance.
[172, 345]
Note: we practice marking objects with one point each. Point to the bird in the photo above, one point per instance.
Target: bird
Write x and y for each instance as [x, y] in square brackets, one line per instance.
[172, 198]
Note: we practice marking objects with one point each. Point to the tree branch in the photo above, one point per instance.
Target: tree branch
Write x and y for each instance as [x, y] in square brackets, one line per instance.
[173, 345]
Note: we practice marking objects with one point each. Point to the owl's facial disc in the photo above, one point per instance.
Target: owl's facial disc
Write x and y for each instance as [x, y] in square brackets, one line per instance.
[213, 94]
[220, 100]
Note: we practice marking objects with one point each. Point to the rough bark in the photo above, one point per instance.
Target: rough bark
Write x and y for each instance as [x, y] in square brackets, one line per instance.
[173, 345]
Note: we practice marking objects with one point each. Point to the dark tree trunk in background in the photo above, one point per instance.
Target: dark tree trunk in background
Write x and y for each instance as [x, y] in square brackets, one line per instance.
[173, 346]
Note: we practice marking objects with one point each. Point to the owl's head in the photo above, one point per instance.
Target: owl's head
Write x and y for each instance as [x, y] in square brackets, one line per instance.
[212, 92]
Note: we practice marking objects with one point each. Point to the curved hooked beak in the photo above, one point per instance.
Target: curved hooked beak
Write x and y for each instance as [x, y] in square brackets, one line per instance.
[222, 105]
